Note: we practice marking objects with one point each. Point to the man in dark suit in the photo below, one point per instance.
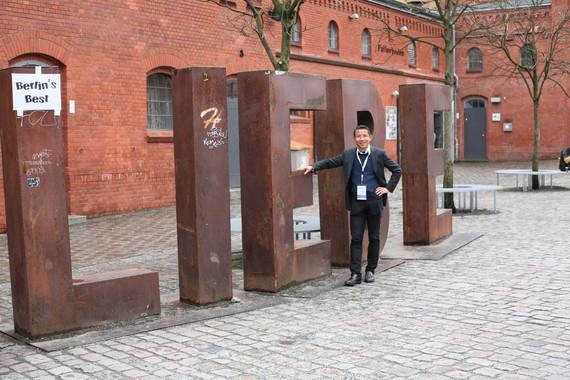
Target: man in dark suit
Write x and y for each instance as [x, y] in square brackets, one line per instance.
[366, 193]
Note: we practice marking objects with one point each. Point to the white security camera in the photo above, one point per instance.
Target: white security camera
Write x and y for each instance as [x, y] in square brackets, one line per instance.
[354, 16]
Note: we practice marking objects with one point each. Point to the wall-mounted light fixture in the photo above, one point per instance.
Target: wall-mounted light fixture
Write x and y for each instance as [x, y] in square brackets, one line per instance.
[354, 16]
[403, 28]
[395, 93]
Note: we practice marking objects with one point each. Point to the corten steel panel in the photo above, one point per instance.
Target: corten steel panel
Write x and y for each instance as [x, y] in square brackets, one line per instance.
[269, 189]
[334, 130]
[421, 163]
[38, 232]
[202, 195]
[101, 297]
[43, 296]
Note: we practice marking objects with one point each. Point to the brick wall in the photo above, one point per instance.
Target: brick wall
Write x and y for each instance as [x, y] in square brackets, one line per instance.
[515, 106]
[106, 49]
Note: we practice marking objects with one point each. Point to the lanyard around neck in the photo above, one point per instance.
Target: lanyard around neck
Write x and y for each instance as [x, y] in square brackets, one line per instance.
[362, 165]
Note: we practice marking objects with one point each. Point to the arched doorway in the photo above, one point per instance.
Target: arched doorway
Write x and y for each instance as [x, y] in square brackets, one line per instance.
[475, 129]
[31, 60]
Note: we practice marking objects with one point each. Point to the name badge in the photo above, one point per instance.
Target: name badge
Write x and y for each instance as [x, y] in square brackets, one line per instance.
[361, 192]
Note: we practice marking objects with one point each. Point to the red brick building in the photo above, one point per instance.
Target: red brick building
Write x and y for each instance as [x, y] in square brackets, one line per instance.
[116, 58]
[495, 109]
[114, 55]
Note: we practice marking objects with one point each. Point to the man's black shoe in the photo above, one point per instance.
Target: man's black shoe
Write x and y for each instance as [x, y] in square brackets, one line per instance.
[354, 279]
[369, 276]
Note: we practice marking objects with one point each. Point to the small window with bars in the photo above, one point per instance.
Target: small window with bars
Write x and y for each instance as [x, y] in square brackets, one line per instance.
[296, 33]
[159, 101]
[412, 54]
[528, 56]
[474, 60]
[365, 43]
[333, 36]
[435, 58]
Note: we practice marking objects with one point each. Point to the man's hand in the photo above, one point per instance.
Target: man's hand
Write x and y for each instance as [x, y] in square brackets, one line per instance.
[306, 169]
[381, 191]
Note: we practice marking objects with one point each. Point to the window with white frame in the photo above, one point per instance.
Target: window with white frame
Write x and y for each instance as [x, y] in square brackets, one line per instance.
[474, 60]
[365, 43]
[528, 56]
[333, 36]
[411, 53]
[159, 101]
[296, 32]
[435, 58]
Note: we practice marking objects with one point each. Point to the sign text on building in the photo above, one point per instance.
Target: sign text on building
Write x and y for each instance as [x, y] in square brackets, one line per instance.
[385, 49]
[31, 92]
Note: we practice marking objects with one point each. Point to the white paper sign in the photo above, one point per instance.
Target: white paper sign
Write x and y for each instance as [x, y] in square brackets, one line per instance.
[31, 92]
[391, 123]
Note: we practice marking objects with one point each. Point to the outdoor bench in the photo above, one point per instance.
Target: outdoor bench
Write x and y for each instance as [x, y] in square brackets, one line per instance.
[467, 194]
[526, 176]
[304, 226]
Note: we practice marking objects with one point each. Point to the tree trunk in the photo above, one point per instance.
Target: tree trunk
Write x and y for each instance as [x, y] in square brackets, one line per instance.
[449, 122]
[285, 53]
[448, 154]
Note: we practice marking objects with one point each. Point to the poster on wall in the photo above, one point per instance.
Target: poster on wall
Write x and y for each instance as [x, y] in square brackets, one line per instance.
[391, 123]
[37, 91]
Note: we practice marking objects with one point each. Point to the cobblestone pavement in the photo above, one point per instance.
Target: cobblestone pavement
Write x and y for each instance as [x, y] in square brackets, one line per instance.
[497, 308]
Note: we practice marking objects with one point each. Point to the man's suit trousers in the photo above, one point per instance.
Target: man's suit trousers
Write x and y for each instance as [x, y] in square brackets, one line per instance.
[364, 214]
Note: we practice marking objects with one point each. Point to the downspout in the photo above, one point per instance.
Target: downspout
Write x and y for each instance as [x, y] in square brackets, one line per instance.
[454, 114]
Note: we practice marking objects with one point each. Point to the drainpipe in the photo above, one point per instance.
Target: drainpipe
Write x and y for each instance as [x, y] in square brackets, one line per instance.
[454, 100]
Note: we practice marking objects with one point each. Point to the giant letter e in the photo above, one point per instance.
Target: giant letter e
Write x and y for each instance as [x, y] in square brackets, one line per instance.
[269, 189]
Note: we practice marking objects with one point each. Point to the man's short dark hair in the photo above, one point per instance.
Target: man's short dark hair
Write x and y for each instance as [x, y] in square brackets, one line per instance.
[361, 126]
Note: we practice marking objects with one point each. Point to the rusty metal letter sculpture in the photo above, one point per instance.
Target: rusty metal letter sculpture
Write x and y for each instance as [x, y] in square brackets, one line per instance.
[421, 163]
[45, 299]
[269, 189]
[202, 197]
[349, 103]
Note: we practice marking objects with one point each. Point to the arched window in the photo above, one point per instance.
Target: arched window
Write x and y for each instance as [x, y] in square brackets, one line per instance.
[333, 36]
[29, 60]
[474, 60]
[365, 43]
[411, 53]
[475, 103]
[32, 60]
[435, 58]
[29, 63]
[159, 101]
[296, 32]
[528, 56]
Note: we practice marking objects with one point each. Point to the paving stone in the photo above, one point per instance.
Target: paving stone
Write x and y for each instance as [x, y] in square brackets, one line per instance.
[36, 358]
[37, 373]
[15, 376]
[134, 373]
[489, 372]
[57, 371]
[22, 367]
[512, 376]
[454, 374]
[75, 376]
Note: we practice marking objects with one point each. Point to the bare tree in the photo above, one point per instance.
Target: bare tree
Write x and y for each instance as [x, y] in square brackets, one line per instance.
[250, 18]
[450, 14]
[535, 46]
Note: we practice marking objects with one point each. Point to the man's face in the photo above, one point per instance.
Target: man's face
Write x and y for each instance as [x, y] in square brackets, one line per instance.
[362, 139]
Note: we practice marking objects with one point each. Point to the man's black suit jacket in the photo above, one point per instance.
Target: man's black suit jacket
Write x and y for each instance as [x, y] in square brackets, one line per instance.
[379, 161]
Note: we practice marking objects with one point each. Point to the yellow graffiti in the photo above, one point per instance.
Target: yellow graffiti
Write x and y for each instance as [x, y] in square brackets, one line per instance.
[213, 120]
